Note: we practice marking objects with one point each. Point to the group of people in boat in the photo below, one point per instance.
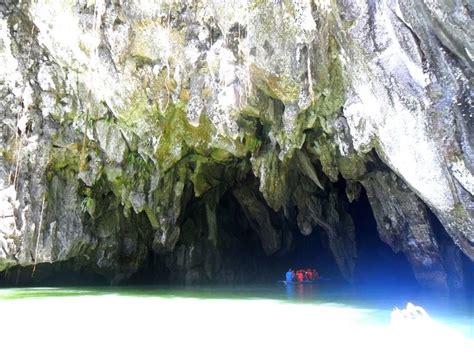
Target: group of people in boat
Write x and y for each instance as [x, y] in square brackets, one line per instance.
[301, 275]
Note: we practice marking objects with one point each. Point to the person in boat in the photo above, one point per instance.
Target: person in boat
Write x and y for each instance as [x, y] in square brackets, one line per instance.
[289, 275]
[299, 276]
[309, 275]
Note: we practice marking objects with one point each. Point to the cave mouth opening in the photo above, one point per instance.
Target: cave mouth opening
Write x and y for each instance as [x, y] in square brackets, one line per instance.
[241, 258]
[377, 265]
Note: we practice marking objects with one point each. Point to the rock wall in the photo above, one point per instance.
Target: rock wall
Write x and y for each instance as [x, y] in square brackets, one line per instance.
[116, 116]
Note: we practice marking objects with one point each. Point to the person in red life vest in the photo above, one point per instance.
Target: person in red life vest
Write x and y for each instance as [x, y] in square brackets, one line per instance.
[309, 275]
[299, 276]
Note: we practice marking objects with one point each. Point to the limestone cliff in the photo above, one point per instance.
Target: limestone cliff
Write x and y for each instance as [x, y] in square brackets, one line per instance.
[125, 124]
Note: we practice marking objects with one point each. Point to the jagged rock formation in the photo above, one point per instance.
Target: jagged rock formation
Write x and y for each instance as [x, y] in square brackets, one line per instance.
[128, 127]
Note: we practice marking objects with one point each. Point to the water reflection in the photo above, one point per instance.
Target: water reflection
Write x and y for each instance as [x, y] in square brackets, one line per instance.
[301, 292]
[290, 291]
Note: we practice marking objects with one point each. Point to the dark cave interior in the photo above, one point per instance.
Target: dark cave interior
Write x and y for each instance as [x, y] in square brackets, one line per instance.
[377, 264]
[242, 259]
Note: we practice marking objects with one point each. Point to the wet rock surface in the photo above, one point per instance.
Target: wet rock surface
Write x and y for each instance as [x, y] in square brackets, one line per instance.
[125, 127]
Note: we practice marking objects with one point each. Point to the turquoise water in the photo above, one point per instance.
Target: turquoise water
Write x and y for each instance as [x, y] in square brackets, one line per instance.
[269, 319]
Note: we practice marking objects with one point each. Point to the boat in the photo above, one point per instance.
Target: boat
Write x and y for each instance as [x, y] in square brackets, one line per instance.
[305, 282]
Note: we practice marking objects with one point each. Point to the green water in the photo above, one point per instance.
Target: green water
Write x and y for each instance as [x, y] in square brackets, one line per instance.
[268, 319]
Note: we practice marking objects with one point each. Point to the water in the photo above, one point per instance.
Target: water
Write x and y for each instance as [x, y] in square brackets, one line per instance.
[271, 319]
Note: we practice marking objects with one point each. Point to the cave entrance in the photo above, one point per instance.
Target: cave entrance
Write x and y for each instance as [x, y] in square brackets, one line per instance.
[377, 265]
